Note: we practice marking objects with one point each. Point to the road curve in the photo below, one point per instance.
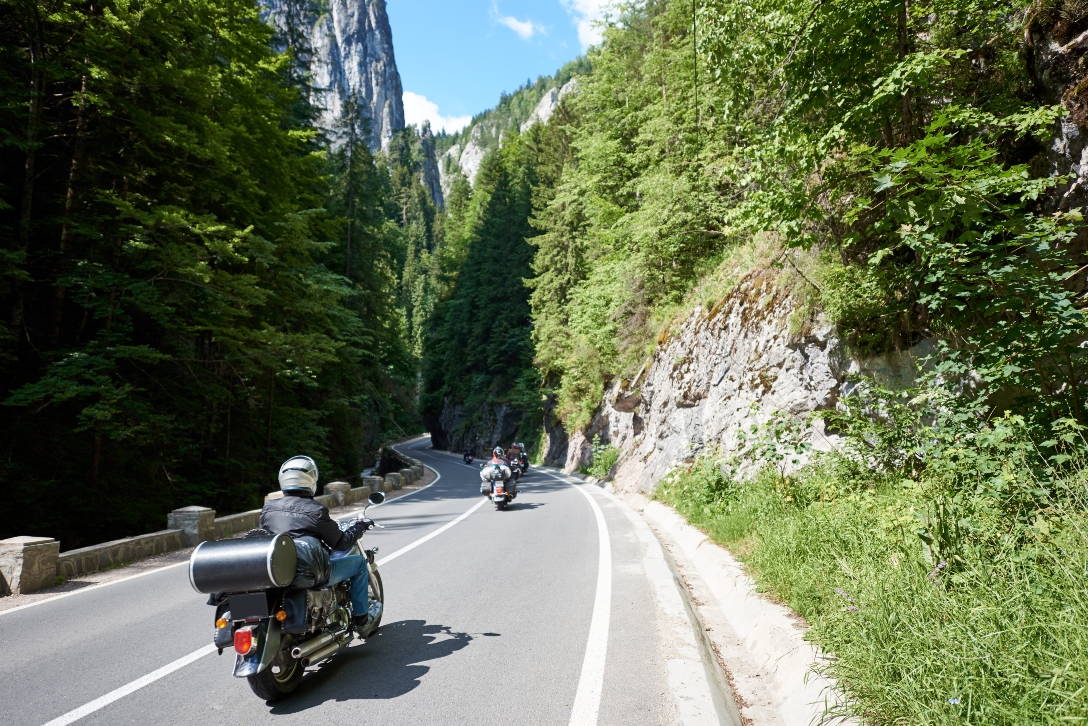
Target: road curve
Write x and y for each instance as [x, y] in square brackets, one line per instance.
[545, 613]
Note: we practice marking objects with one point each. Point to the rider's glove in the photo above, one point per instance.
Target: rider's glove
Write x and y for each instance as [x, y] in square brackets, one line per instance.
[366, 523]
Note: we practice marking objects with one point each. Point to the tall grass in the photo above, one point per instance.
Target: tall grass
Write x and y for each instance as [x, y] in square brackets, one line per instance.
[937, 604]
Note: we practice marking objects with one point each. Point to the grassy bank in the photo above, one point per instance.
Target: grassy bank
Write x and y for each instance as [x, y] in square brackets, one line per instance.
[956, 595]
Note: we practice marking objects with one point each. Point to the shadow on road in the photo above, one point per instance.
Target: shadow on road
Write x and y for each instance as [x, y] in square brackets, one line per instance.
[389, 665]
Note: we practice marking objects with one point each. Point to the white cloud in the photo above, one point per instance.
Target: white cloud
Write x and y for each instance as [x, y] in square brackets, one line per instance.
[418, 109]
[586, 13]
[524, 28]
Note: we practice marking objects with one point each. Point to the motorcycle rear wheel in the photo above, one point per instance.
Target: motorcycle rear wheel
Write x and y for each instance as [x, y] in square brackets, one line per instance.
[276, 681]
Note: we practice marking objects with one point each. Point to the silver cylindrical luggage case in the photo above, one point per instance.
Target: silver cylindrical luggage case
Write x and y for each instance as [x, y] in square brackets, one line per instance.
[239, 565]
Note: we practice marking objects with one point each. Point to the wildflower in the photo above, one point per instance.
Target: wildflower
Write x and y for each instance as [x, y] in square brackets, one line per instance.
[953, 701]
[937, 570]
[843, 593]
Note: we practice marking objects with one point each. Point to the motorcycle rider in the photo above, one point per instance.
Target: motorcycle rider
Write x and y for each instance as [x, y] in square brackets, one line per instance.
[497, 459]
[513, 454]
[297, 514]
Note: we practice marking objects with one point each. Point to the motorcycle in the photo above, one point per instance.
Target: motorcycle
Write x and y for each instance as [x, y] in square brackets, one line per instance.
[277, 630]
[498, 483]
[523, 462]
[468, 457]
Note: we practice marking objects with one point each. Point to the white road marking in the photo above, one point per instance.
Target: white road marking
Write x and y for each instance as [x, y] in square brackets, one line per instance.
[89, 588]
[166, 670]
[435, 533]
[587, 699]
[103, 701]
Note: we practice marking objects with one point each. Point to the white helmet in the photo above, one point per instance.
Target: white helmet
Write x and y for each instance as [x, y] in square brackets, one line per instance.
[299, 473]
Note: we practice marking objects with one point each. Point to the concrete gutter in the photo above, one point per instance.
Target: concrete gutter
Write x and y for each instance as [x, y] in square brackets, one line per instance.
[760, 645]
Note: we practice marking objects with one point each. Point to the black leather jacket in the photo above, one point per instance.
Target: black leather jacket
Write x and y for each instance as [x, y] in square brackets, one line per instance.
[298, 515]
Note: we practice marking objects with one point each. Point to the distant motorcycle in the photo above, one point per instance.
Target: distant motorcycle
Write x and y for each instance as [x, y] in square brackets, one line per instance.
[468, 457]
[278, 630]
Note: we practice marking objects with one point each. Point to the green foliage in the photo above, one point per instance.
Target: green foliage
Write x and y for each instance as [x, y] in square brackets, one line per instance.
[873, 132]
[948, 593]
[177, 275]
[605, 457]
[479, 349]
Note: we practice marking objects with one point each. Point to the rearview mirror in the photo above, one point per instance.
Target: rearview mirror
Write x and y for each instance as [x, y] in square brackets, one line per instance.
[376, 497]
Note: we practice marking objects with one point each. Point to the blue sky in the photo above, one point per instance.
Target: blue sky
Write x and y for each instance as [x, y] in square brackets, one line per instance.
[456, 57]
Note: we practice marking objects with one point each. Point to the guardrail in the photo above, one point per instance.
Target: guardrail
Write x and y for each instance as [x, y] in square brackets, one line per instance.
[29, 564]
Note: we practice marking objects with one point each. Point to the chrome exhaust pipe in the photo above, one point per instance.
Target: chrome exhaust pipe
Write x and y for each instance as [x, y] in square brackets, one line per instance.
[312, 645]
[317, 656]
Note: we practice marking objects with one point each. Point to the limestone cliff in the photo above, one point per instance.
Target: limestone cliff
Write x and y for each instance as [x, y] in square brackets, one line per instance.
[346, 46]
[698, 391]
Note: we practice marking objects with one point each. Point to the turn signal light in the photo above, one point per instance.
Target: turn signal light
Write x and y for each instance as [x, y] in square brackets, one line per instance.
[220, 623]
[281, 615]
[243, 641]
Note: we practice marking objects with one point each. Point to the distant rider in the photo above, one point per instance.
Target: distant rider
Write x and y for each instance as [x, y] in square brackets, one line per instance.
[297, 514]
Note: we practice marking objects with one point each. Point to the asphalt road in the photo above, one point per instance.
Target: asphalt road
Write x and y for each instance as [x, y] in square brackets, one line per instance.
[547, 613]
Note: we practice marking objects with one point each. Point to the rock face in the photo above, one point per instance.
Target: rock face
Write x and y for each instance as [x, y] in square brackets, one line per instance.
[495, 426]
[470, 157]
[698, 392]
[347, 47]
[546, 107]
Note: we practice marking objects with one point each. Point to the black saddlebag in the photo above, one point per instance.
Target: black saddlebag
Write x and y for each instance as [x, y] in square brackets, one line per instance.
[240, 565]
[313, 566]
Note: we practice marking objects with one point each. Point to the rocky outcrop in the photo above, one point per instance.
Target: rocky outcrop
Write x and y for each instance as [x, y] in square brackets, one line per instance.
[718, 373]
[472, 155]
[346, 46]
[546, 107]
[481, 428]
[431, 176]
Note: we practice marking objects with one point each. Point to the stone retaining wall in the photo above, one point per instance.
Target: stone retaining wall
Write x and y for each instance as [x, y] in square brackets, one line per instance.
[118, 552]
[29, 564]
[235, 524]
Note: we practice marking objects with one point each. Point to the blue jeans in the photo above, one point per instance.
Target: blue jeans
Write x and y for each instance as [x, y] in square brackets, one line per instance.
[353, 567]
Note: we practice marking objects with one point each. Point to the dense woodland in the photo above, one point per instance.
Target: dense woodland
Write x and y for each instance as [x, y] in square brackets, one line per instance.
[195, 284]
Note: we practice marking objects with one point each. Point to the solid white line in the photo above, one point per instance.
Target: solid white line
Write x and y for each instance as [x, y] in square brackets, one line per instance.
[103, 701]
[433, 534]
[82, 590]
[587, 699]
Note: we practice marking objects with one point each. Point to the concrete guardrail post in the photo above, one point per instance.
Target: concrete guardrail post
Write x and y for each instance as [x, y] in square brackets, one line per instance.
[28, 564]
[418, 469]
[406, 477]
[392, 481]
[375, 483]
[198, 524]
[339, 490]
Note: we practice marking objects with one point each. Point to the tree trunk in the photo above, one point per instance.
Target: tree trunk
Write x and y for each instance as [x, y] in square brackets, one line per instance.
[902, 33]
[34, 121]
[59, 291]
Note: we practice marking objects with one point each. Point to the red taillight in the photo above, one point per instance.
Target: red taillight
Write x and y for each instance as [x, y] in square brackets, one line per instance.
[243, 640]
